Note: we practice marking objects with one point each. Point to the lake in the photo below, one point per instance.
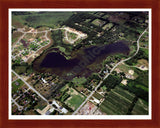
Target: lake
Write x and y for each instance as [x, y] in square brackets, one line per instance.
[77, 66]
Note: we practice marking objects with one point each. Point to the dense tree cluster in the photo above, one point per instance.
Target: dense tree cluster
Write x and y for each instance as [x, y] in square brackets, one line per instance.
[111, 81]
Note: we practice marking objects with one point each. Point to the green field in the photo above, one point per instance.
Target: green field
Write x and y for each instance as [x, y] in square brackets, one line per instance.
[16, 85]
[36, 19]
[75, 101]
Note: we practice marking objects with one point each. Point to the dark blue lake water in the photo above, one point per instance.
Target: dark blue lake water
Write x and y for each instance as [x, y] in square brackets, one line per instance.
[56, 60]
[79, 64]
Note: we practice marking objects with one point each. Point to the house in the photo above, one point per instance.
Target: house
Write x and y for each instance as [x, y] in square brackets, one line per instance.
[44, 81]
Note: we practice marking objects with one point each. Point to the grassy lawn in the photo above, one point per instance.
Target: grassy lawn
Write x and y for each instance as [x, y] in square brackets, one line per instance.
[75, 101]
[124, 68]
[16, 85]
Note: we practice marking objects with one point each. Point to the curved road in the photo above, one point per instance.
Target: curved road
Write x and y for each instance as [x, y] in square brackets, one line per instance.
[109, 74]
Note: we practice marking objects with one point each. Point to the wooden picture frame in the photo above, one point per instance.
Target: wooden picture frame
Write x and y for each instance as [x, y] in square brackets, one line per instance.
[4, 120]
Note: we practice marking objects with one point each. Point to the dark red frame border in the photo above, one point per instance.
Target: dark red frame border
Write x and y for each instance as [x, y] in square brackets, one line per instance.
[6, 4]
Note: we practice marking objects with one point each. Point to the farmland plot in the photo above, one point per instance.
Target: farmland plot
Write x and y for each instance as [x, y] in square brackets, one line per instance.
[117, 102]
[140, 108]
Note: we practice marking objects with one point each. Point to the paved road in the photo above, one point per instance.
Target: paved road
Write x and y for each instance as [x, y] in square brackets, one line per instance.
[19, 107]
[30, 87]
[109, 74]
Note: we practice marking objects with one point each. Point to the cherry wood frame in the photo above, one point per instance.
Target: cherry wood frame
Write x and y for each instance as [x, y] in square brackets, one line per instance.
[6, 4]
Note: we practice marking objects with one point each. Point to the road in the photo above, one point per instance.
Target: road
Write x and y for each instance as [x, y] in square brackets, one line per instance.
[109, 74]
[19, 107]
[30, 87]
[46, 31]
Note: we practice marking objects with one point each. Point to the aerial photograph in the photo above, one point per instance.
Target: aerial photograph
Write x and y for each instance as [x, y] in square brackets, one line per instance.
[79, 62]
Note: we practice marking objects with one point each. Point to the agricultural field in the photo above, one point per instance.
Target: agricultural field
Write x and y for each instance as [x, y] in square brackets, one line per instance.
[97, 96]
[117, 102]
[140, 108]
